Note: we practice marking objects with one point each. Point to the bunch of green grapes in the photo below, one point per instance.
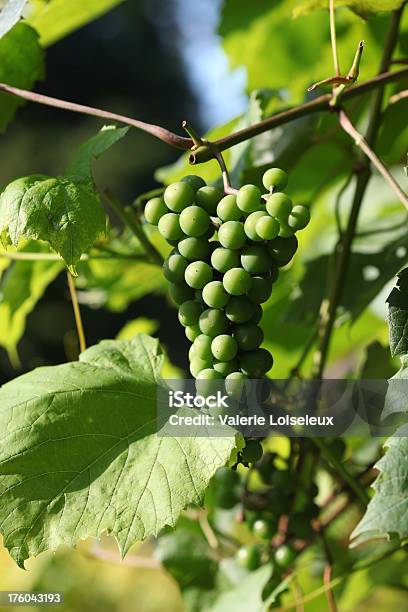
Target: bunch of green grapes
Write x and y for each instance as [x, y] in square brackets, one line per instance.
[226, 256]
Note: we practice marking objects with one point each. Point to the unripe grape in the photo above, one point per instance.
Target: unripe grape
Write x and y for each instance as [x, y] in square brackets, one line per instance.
[202, 347]
[195, 182]
[189, 313]
[249, 198]
[227, 209]
[299, 217]
[257, 315]
[267, 227]
[194, 221]
[275, 178]
[263, 529]
[282, 250]
[235, 384]
[260, 290]
[248, 336]
[250, 225]
[214, 295]
[224, 259]
[198, 274]
[231, 235]
[207, 381]
[194, 248]
[285, 231]
[252, 452]
[237, 281]
[154, 210]
[178, 196]
[249, 557]
[239, 309]
[226, 367]
[208, 198]
[256, 363]
[224, 347]
[255, 259]
[213, 322]
[169, 227]
[174, 267]
[279, 206]
[191, 353]
[180, 292]
[192, 332]
[284, 556]
[197, 365]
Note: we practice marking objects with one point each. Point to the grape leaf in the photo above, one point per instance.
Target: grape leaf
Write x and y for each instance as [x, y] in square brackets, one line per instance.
[387, 512]
[21, 64]
[65, 211]
[80, 456]
[54, 19]
[10, 15]
[20, 289]
[398, 315]
[362, 7]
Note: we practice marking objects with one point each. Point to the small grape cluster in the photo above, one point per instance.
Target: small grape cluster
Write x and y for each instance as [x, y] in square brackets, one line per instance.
[227, 251]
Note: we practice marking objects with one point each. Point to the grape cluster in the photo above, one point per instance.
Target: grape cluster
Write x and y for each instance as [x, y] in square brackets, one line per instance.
[226, 256]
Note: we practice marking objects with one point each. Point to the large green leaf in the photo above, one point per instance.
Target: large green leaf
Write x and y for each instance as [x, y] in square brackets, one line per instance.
[20, 289]
[10, 15]
[65, 211]
[363, 7]
[387, 512]
[398, 315]
[54, 19]
[21, 64]
[80, 456]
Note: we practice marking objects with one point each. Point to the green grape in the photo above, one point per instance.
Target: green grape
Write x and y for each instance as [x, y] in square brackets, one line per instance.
[249, 198]
[178, 196]
[191, 353]
[195, 182]
[284, 556]
[207, 381]
[275, 178]
[194, 249]
[231, 235]
[255, 259]
[226, 367]
[260, 290]
[224, 259]
[263, 529]
[180, 292]
[249, 557]
[194, 221]
[256, 363]
[208, 198]
[154, 210]
[189, 313]
[174, 267]
[248, 336]
[198, 274]
[224, 347]
[250, 225]
[239, 309]
[169, 227]
[299, 217]
[237, 281]
[197, 365]
[213, 322]
[192, 332]
[227, 209]
[257, 316]
[282, 250]
[267, 227]
[279, 206]
[214, 295]
[235, 384]
[252, 452]
[202, 347]
[285, 231]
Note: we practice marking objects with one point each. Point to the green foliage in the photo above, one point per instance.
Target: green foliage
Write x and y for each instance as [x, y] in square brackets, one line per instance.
[54, 19]
[10, 14]
[21, 64]
[362, 7]
[398, 315]
[79, 444]
[20, 290]
[65, 212]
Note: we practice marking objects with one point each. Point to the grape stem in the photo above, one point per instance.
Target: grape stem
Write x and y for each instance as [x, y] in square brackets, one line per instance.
[77, 312]
[228, 189]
